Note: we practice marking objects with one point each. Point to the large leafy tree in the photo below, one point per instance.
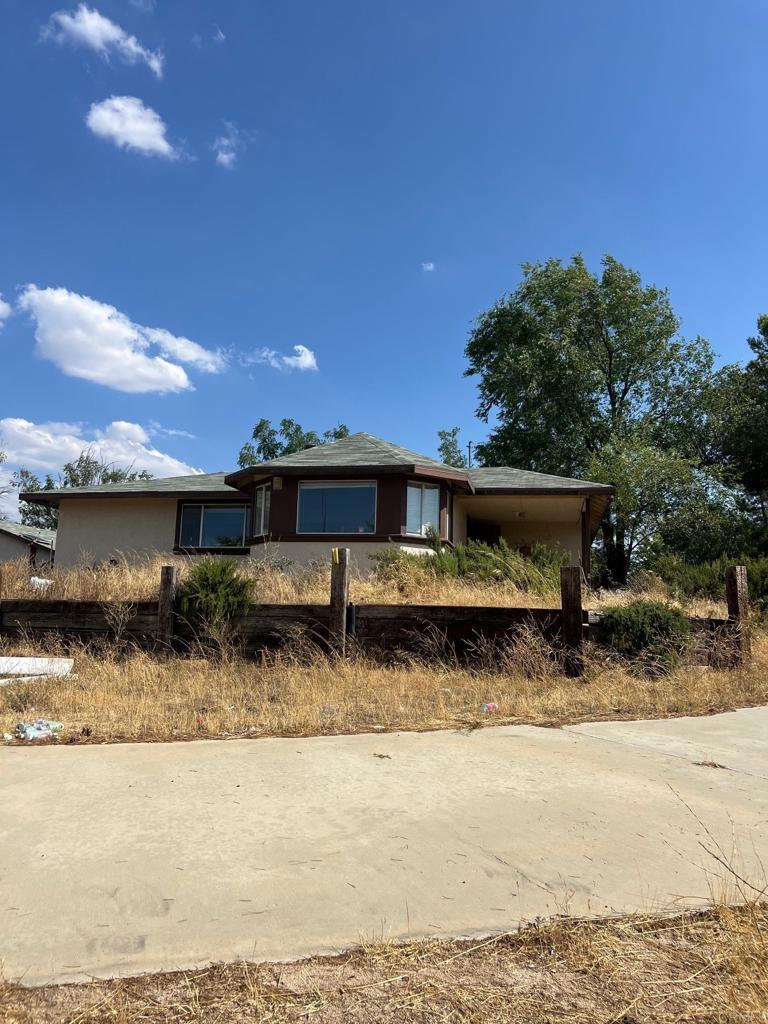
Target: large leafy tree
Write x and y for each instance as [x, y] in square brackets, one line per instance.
[88, 470]
[268, 443]
[740, 414]
[585, 373]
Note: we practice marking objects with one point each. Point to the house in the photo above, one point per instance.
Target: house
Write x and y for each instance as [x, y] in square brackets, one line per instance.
[360, 492]
[31, 542]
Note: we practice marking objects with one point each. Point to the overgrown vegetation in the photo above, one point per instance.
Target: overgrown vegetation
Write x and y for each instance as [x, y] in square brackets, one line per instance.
[706, 579]
[477, 563]
[214, 592]
[709, 967]
[657, 633]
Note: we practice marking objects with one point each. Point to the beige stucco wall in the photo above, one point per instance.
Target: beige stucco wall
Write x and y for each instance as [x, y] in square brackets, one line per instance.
[13, 548]
[96, 529]
[305, 551]
[525, 520]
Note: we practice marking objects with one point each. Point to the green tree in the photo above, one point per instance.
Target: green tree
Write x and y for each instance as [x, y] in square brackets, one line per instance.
[580, 367]
[449, 448]
[267, 443]
[740, 417]
[88, 470]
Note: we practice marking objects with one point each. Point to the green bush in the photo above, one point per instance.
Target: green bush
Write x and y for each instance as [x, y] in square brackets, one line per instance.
[657, 633]
[478, 562]
[214, 592]
[708, 579]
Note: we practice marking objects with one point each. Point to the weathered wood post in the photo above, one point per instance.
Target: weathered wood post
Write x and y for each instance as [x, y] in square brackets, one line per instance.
[737, 599]
[337, 621]
[166, 603]
[573, 624]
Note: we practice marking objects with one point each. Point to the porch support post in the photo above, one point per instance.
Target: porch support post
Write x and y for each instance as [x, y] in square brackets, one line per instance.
[586, 538]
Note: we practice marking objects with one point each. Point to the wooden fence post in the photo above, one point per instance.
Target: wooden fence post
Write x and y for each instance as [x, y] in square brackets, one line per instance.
[737, 599]
[573, 624]
[337, 622]
[166, 603]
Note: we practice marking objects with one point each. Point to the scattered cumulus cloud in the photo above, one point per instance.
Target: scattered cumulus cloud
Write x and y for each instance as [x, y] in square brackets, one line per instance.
[85, 26]
[228, 145]
[45, 447]
[5, 310]
[125, 121]
[428, 266]
[158, 430]
[304, 359]
[147, 6]
[95, 341]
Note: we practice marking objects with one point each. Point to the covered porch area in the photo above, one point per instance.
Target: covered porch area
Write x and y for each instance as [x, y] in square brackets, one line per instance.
[522, 520]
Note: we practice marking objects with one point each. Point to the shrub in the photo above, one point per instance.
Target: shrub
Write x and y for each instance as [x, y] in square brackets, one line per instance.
[708, 579]
[657, 633]
[214, 592]
[481, 563]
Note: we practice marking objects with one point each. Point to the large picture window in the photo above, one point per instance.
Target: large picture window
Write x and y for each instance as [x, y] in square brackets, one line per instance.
[337, 508]
[261, 502]
[212, 526]
[422, 509]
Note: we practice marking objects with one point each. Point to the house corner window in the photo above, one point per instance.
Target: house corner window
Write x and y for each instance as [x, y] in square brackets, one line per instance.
[422, 509]
[332, 507]
[261, 502]
[212, 526]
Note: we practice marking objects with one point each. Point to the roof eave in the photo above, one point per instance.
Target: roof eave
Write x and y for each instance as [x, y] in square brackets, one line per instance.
[266, 470]
[54, 497]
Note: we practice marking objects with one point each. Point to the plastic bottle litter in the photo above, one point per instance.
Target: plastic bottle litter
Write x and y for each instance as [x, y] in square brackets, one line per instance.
[487, 708]
[40, 729]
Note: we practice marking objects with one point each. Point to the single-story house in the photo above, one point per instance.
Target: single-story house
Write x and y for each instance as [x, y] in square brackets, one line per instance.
[31, 542]
[360, 492]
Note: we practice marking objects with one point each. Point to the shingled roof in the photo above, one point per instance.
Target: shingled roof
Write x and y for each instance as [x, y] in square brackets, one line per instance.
[197, 485]
[31, 534]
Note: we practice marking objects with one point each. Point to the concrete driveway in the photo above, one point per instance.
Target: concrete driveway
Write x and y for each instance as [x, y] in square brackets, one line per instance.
[144, 857]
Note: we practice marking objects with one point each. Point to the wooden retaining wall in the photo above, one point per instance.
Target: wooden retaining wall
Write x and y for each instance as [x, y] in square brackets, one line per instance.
[375, 627]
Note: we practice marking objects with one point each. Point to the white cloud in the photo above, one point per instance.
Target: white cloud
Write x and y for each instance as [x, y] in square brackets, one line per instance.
[147, 6]
[218, 36]
[227, 145]
[428, 266]
[5, 310]
[85, 26]
[304, 359]
[45, 447]
[94, 341]
[125, 121]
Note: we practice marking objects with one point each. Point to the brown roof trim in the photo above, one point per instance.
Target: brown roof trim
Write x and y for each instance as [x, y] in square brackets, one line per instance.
[52, 498]
[606, 489]
[253, 473]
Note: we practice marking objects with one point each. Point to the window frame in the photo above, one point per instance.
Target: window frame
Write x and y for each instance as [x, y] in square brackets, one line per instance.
[214, 504]
[266, 508]
[422, 487]
[315, 485]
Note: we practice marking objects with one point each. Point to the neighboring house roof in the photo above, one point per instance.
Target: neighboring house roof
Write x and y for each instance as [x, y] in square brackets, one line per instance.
[31, 534]
[199, 485]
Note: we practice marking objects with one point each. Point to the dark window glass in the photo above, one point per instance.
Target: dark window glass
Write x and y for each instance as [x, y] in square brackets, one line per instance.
[189, 535]
[340, 509]
[223, 527]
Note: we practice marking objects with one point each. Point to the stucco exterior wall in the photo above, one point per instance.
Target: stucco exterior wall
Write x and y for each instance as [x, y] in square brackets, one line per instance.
[96, 529]
[303, 552]
[563, 535]
[13, 548]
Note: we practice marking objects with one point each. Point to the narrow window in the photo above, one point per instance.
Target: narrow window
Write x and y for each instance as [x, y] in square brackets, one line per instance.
[422, 509]
[261, 503]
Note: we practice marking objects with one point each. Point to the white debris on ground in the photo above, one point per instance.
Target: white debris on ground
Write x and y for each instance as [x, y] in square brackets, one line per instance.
[38, 583]
[17, 670]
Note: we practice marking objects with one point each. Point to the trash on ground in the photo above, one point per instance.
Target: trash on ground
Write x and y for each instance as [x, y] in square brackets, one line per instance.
[14, 670]
[40, 729]
[491, 706]
[38, 583]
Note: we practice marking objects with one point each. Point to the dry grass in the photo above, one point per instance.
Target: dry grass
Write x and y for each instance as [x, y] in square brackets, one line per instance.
[139, 581]
[708, 967]
[121, 695]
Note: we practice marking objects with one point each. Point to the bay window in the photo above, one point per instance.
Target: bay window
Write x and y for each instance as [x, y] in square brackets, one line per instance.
[336, 508]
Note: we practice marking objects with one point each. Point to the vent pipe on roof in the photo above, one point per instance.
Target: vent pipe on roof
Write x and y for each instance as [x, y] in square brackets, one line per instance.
[309, 446]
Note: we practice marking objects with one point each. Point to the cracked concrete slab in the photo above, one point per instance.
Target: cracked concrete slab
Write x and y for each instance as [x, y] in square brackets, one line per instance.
[143, 857]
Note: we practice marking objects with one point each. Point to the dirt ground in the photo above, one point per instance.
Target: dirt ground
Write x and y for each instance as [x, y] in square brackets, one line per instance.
[709, 967]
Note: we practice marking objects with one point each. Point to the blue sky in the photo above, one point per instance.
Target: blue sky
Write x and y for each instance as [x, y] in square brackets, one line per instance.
[381, 171]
